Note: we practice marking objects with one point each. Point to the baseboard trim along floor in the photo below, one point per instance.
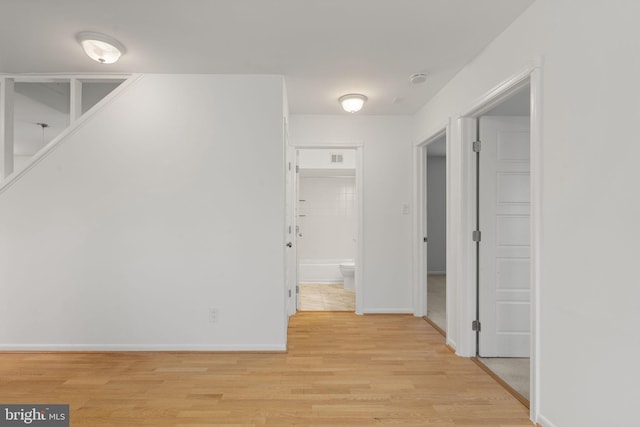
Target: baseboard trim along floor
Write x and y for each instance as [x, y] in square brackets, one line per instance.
[435, 326]
[341, 370]
[503, 383]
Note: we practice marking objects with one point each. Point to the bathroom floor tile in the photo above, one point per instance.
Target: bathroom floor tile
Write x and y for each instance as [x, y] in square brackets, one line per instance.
[326, 297]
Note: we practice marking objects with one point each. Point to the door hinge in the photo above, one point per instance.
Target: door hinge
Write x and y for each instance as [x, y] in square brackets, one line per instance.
[289, 293]
[297, 168]
[477, 236]
[477, 146]
[289, 165]
[297, 289]
[475, 325]
[424, 239]
[289, 229]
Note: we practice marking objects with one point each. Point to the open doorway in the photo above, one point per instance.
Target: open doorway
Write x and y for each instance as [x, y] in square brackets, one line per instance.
[436, 239]
[503, 170]
[326, 229]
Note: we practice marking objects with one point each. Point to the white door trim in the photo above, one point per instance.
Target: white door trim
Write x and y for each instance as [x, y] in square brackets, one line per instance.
[463, 219]
[291, 261]
[420, 219]
[420, 231]
[359, 148]
[420, 224]
[465, 263]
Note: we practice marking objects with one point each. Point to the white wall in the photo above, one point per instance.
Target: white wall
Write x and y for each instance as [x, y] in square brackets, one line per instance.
[19, 162]
[321, 159]
[387, 186]
[327, 221]
[93, 92]
[148, 216]
[590, 209]
[328, 226]
[437, 214]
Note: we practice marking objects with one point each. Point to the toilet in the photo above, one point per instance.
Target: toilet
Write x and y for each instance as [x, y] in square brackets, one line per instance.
[348, 271]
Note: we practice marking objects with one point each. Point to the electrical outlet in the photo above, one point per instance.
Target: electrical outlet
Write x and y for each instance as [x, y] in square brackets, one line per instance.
[213, 315]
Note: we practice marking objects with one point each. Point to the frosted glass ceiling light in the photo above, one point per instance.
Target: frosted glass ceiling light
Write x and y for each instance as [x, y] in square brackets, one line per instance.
[100, 47]
[353, 102]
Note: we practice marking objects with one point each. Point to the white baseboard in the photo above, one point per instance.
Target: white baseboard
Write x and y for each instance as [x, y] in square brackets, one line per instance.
[451, 343]
[142, 347]
[387, 311]
[544, 422]
[318, 282]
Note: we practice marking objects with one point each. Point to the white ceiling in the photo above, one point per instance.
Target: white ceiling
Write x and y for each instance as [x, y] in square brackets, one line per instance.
[324, 48]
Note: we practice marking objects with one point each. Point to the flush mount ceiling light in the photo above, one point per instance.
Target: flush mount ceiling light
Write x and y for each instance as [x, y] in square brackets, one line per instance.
[101, 47]
[353, 102]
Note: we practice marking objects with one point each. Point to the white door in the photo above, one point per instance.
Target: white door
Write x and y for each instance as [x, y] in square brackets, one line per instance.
[505, 218]
[290, 236]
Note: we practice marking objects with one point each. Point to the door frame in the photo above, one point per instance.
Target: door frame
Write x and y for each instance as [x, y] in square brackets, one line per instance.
[359, 276]
[420, 269]
[465, 264]
[290, 220]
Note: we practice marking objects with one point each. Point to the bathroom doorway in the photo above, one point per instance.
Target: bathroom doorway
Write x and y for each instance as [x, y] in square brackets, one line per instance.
[327, 228]
[436, 236]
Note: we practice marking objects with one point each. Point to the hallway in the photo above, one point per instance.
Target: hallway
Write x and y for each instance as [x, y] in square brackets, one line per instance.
[340, 369]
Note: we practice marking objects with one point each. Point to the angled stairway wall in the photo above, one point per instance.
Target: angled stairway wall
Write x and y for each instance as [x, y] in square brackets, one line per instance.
[166, 204]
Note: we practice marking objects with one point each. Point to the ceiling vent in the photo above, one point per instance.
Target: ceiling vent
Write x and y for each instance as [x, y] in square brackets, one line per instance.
[336, 158]
[418, 78]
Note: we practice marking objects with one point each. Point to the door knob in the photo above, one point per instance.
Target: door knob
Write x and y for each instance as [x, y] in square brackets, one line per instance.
[289, 244]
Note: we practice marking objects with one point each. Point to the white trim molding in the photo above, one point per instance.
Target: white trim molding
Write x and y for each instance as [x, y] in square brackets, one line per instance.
[359, 147]
[405, 310]
[544, 422]
[73, 128]
[141, 347]
[6, 126]
[54, 78]
[462, 222]
[419, 262]
[537, 239]
[465, 265]
[451, 343]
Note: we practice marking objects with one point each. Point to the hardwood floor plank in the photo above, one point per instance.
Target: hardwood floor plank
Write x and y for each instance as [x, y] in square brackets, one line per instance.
[340, 370]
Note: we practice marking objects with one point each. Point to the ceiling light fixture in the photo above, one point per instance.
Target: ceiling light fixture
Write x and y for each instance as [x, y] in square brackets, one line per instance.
[101, 47]
[353, 102]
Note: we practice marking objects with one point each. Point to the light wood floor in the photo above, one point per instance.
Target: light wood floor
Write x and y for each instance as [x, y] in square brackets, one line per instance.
[341, 370]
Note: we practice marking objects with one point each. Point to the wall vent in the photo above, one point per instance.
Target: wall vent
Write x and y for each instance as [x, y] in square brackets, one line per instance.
[336, 158]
